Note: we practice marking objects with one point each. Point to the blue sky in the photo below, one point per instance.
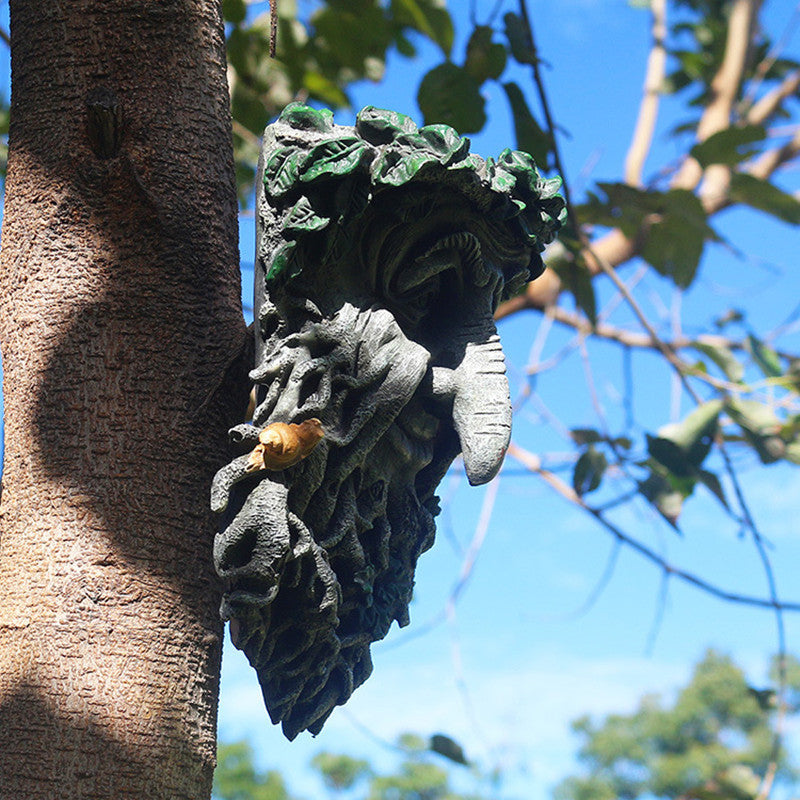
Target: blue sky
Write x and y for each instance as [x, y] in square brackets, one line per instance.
[517, 662]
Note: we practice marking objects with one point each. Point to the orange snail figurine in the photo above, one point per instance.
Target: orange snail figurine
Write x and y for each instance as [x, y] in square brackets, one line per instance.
[282, 445]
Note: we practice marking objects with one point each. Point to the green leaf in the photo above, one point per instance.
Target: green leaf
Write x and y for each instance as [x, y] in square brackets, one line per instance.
[675, 244]
[669, 455]
[766, 358]
[572, 271]
[668, 501]
[322, 88]
[447, 747]
[282, 169]
[589, 471]
[792, 452]
[530, 136]
[353, 36]
[485, 59]
[429, 17]
[675, 224]
[583, 436]
[723, 357]
[765, 197]
[725, 147]
[761, 428]
[694, 435]
[248, 110]
[714, 485]
[518, 40]
[234, 11]
[448, 94]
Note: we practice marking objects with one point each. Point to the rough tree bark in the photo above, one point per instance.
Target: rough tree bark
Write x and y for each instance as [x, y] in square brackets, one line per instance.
[122, 336]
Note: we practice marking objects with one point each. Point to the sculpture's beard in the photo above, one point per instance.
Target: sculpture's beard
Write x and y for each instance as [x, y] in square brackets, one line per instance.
[330, 555]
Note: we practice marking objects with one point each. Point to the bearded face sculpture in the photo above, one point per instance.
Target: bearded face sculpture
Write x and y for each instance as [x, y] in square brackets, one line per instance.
[382, 252]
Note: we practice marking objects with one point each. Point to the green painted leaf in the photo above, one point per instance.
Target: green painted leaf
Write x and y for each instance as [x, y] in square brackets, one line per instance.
[379, 126]
[303, 219]
[306, 118]
[589, 471]
[485, 59]
[391, 170]
[727, 146]
[333, 157]
[530, 136]
[766, 358]
[449, 94]
[765, 197]
[282, 170]
[442, 140]
[723, 357]
[280, 261]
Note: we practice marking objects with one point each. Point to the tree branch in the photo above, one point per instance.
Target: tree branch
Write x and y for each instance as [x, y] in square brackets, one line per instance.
[648, 110]
[615, 248]
[761, 111]
[724, 88]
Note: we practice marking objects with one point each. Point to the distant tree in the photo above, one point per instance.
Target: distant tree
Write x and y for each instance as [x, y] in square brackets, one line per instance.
[421, 774]
[237, 778]
[715, 741]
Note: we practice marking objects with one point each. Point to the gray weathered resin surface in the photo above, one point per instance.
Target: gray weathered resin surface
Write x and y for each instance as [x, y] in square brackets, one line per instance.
[382, 252]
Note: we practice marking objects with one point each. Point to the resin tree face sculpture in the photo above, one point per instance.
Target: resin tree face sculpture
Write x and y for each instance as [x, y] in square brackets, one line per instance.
[382, 252]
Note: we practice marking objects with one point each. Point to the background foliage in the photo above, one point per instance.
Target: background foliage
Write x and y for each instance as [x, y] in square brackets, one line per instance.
[634, 245]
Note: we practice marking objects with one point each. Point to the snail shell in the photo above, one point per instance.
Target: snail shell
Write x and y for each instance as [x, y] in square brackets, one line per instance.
[282, 445]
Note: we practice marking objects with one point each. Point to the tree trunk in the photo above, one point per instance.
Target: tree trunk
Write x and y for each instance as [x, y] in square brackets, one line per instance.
[122, 341]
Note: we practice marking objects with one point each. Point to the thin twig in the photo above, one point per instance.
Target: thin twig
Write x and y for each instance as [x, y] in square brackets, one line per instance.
[772, 56]
[658, 619]
[5, 37]
[273, 27]
[246, 134]
[533, 463]
[597, 589]
[467, 567]
[548, 116]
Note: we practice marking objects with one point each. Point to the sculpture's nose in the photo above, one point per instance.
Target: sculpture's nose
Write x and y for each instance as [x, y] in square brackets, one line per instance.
[479, 389]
